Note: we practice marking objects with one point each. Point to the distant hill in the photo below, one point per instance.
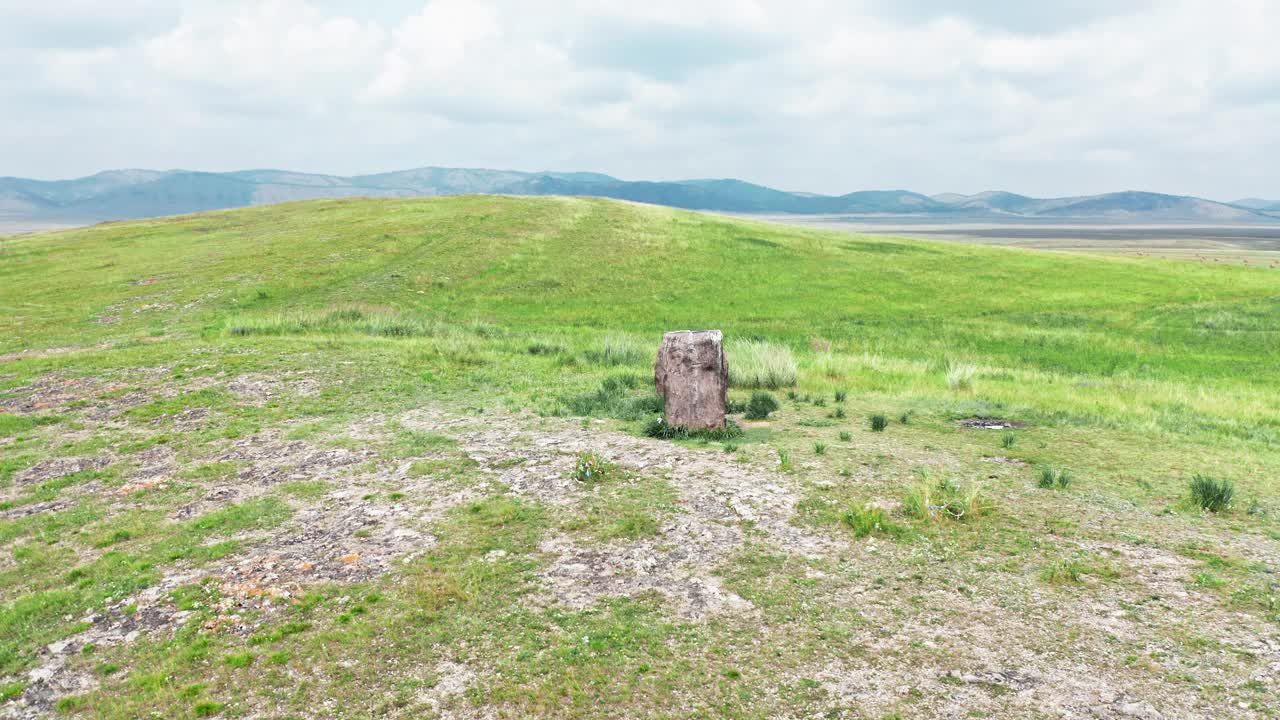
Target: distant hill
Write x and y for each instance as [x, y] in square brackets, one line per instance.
[125, 194]
[1257, 204]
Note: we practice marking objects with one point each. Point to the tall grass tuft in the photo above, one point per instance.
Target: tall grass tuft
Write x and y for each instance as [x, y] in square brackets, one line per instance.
[1210, 494]
[1050, 478]
[960, 375]
[946, 500]
[761, 404]
[760, 364]
[870, 520]
[879, 423]
[618, 349]
[344, 320]
[625, 397]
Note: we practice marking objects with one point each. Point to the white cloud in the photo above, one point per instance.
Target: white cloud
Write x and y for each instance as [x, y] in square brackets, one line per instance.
[272, 51]
[1068, 97]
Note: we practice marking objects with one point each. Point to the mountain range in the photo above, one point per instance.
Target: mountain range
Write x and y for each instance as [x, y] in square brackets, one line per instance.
[125, 194]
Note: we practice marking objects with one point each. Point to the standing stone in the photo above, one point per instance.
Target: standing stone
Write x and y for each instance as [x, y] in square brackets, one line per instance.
[692, 376]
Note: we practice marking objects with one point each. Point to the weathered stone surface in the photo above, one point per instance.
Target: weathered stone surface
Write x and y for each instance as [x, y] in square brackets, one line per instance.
[692, 376]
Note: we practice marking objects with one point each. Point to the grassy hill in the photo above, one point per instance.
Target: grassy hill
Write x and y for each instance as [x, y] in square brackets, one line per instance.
[321, 455]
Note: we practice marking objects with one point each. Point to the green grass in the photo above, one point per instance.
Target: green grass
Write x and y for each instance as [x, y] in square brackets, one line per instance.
[660, 428]
[761, 364]
[342, 321]
[501, 311]
[868, 520]
[618, 349]
[1075, 570]
[1140, 331]
[49, 612]
[946, 499]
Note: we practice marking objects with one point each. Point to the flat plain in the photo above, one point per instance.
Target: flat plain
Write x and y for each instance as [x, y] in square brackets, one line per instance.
[326, 459]
[1254, 243]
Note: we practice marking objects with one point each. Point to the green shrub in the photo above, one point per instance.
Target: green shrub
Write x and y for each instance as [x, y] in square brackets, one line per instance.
[1008, 441]
[841, 395]
[839, 414]
[845, 436]
[819, 448]
[1210, 494]
[879, 423]
[761, 404]
[760, 364]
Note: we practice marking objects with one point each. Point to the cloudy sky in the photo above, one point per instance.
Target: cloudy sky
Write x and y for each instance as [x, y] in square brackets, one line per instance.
[1054, 97]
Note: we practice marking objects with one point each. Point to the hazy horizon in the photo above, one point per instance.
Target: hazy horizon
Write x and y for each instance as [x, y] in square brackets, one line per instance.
[587, 170]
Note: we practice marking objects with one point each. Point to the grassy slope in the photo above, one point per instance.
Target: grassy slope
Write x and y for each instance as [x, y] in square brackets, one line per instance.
[1135, 373]
[568, 265]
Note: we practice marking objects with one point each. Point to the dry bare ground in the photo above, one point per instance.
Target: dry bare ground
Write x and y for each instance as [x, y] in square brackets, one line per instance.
[938, 624]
